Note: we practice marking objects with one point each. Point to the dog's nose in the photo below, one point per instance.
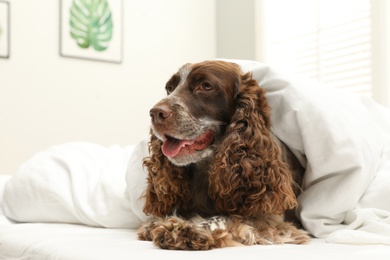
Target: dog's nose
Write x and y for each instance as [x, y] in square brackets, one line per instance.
[160, 113]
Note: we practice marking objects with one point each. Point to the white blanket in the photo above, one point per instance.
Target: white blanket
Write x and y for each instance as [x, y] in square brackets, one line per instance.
[342, 140]
[80, 183]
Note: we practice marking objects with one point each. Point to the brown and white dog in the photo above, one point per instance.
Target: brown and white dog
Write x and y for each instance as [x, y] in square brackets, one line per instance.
[217, 176]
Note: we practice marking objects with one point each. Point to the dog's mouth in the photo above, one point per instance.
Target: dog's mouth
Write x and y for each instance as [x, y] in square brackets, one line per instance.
[173, 147]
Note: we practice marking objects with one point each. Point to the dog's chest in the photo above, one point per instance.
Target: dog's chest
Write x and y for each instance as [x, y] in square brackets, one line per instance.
[201, 202]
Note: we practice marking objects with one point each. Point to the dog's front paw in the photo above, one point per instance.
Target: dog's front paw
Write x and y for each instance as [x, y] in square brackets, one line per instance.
[144, 232]
[176, 233]
[190, 237]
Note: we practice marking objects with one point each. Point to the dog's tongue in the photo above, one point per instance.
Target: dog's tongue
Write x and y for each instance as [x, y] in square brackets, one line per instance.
[172, 146]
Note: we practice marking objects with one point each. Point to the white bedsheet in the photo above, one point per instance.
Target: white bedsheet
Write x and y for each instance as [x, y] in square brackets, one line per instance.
[342, 140]
[79, 242]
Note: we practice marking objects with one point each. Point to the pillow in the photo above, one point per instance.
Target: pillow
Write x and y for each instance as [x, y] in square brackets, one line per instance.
[81, 183]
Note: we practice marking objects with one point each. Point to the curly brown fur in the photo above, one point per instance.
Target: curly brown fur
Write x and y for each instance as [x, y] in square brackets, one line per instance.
[212, 154]
[194, 234]
[248, 178]
[168, 184]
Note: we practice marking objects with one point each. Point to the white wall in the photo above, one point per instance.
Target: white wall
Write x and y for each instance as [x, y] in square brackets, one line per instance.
[236, 29]
[46, 99]
[380, 50]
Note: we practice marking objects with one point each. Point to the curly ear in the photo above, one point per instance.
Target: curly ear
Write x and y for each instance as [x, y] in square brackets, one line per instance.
[248, 176]
[168, 186]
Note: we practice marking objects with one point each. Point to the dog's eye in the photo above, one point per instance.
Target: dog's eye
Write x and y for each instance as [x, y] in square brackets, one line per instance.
[207, 86]
[169, 89]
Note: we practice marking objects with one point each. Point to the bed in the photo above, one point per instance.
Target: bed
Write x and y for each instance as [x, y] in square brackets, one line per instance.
[82, 200]
[44, 241]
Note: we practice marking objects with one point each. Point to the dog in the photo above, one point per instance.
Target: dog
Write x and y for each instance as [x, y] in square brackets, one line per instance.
[217, 176]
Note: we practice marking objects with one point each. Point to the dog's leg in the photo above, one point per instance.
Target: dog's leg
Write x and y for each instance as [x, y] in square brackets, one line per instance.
[176, 233]
[274, 230]
[194, 234]
[219, 227]
[144, 232]
[216, 232]
[269, 230]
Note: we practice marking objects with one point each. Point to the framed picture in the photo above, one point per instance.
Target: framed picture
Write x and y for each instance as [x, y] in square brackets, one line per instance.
[4, 29]
[91, 29]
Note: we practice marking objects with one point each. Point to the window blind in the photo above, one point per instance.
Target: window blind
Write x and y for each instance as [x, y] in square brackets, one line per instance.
[329, 40]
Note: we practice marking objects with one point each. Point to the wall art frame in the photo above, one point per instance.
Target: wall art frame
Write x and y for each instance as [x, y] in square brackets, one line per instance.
[5, 27]
[92, 30]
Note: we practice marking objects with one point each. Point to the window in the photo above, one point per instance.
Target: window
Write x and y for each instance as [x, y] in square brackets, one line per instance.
[334, 41]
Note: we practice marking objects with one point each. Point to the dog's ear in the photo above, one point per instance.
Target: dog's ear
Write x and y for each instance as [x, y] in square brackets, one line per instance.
[168, 185]
[248, 176]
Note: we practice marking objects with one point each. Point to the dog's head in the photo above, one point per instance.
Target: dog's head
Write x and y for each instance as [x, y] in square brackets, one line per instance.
[192, 119]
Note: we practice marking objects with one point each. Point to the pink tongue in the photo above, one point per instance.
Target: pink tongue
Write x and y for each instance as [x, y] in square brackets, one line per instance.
[172, 147]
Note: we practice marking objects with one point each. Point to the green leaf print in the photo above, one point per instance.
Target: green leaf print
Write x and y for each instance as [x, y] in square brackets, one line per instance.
[91, 23]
